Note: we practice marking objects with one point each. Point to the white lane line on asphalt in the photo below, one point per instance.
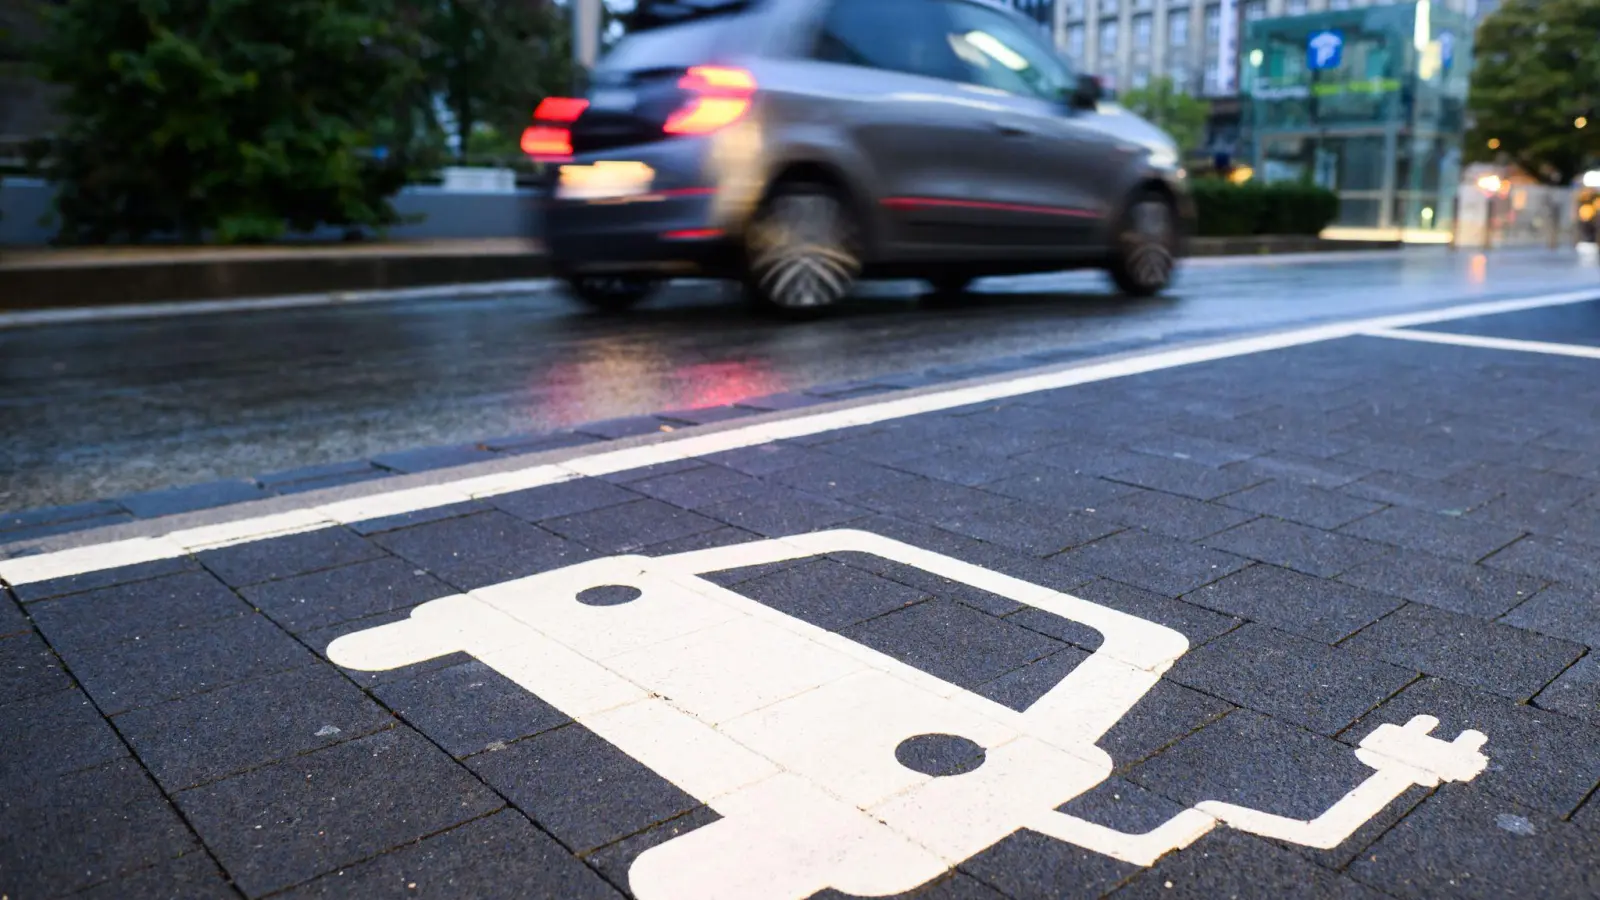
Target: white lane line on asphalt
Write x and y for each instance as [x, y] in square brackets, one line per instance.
[96, 557]
[1487, 343]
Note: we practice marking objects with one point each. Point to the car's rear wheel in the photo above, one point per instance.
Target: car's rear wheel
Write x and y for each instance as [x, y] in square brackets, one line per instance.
[802, 248]
[1146, 250]
[611, 293]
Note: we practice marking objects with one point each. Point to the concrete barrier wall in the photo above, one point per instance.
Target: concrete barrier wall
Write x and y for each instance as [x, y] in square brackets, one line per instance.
[25, 206]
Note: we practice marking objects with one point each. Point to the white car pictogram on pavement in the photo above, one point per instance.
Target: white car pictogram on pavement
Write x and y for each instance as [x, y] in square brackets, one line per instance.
[795, 735]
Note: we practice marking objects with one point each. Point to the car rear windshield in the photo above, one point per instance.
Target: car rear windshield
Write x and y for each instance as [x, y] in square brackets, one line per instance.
[652, 14]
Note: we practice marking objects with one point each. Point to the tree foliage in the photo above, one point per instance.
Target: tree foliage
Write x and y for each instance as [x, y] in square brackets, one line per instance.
[1180, 115]
[491, 61]
[227, 118]
[1537, 72]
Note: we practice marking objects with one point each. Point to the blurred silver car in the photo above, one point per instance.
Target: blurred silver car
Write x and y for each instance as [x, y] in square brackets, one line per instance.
[798, 145]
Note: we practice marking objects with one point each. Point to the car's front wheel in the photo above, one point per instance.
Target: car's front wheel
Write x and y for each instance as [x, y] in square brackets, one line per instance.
[802, 249]
[1145, 254]
[611, 293]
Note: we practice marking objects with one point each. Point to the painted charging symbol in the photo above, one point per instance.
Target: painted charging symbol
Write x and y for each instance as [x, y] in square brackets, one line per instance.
[833, 765]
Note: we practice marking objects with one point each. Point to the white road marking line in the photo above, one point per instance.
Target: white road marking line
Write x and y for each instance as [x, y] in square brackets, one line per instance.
[794, 734]
[78, 560]
[1487, 343]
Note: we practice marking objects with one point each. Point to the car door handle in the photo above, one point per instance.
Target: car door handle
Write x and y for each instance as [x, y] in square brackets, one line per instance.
[1012, 129]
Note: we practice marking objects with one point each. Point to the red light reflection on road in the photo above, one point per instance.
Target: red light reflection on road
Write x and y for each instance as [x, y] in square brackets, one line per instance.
[721, 383]
[626, 378]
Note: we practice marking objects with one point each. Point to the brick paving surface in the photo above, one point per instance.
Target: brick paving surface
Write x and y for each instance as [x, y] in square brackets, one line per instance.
[1349, 534]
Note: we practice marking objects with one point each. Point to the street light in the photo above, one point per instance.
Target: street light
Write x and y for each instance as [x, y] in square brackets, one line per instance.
[1580, 122]
[1489, 184]
[1494, 143]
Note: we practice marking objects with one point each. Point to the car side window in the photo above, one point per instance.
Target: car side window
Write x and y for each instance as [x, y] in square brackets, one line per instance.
[897, 35]
[998, 52]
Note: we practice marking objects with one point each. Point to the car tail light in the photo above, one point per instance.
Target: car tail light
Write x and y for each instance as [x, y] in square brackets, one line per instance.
[550, 135]
[721, 97]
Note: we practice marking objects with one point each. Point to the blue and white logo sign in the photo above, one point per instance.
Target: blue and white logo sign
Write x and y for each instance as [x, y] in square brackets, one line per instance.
[1324, 50]
[1447, 49]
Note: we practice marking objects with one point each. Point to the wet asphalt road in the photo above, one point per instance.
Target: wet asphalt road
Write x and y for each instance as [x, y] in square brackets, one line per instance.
[97, 409]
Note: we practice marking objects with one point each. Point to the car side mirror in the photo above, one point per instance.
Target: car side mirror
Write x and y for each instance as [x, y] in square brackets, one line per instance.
[1086, 95]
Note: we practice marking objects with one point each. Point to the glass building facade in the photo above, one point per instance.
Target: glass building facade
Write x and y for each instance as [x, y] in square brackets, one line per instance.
[1367, 102]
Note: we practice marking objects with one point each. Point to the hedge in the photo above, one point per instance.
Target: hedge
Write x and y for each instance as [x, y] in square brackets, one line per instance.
[1225, 209]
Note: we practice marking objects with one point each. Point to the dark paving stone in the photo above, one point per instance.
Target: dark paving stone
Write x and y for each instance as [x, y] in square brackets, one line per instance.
[268, 559]
[103, 578]
[469, 707]
[1561, 612]
[965, 467]
[425, 459]
[697, 487]
[320, 599]
[1028, 864]
[840, 478]
[566, 498]
[1463, 842]
[705, 540]
[620, 529]
[1315, 608]
[1229, 864]
[762, 459]
[1576, 693]
[1531, 489]
[830, 594]
[1303, 470]
[431, 514]
[483, 549]
[1551, 559]
[1417, 461]
[1195, 623]
[1187, 479]
[950, 886]
[934, 502]
[705, 415]
[176, 664]
[55, 515]
[614, 860]
[50, 735]
[1536, 757]
[1169, 713]
[500, 857]
[1019, 689]
[1416, 492]
[108, 615]
[628, 426]
[1261, 763]
[1302, 503]
[88, 827]
[953, 642]
[192, 876]
[1444, 583]
[1498, 658]
[1172, 516]
[1032, 529]
[1080, 457]
[1190, 448]
[35, 532]
[1060, 489]
[12, 619]
[1155, 563]
[776, 512]
[583, 791]
[1295, 680]
[192, 497]
[1310, 550]
[28, 668]
[287, 823]
[1449, 536]
[223, 732]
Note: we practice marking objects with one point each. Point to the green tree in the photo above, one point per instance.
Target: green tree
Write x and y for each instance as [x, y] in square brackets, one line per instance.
[491, 61]
[228, 118]
[1537, 73]
[1180, 115]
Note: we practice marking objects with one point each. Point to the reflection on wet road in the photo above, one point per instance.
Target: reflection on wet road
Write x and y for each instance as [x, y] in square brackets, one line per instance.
[99, 409]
